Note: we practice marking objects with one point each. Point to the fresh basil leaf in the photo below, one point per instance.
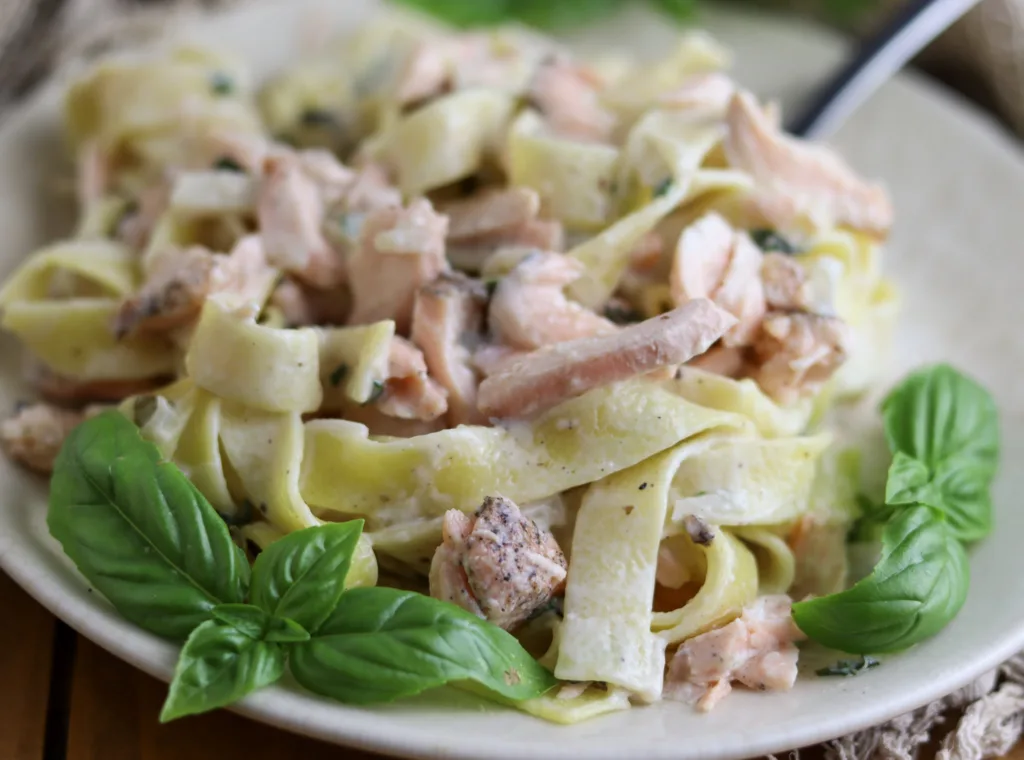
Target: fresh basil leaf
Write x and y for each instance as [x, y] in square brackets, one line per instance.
[545, 14]
[937, 414]
[285, 631]
[380, 644]
[244, 618]
[302, 575]
[958, 489]
[462, 13]
[219, 665]
[908, 482]
[139, 531]
[918, 585]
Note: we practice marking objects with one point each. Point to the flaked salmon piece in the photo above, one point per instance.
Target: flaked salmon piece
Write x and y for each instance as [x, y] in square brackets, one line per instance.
[137, 225]
[426, 72]
[34, 435]
[708, 93]
[180, 281]
[566, 95]
[490, 360]
[370, 190]
[66, 391]
[290, 212]
[447, 321]
[757, 650]
[530, 310]
[303, 306]
[646, 255]
[712, 260]
[491, 213]
[535, 234]
[548, 376]
[171, 296]
[410, 393]
[333, 179]
[786, 285]
[796, 353]
[400, 250]
[798, 182]
[93, 176]
[722, 360]
[497, 564]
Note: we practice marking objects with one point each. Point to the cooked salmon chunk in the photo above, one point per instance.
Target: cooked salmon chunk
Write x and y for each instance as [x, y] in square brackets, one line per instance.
[757, 650]
[530, 310]
[410, 393]
[180, 281]
[800, 184]
[34, 435]
[491, 213]
[566, 95]
[786, 286]
[290, 211]
[712, 260]
[447, 322]
[548, 376]
[797, 353]
[497, 564]
[400, 250]
[171, 296]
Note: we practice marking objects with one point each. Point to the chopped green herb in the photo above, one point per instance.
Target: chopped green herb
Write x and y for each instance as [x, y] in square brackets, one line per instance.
[622, 315]
[338, 374]
[663, 187]
[770, 240]
[491, 286]
[222, 84]
[377, 392]
[227, 164]
[849, 667]
[318, 117]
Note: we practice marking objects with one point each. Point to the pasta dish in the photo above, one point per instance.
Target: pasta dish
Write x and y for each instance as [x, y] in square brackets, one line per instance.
[563, 335]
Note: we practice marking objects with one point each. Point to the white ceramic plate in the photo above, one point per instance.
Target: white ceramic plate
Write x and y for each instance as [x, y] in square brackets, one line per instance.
[958, 185]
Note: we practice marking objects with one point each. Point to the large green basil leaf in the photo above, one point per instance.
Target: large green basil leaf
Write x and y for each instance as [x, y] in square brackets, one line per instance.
[957, 489]
[302, 575]
[380, 644]
[139, 531]
[219, 665]
[937, 414]
[918, 585]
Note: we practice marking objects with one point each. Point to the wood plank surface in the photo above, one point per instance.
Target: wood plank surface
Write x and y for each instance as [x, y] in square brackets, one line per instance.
[26, 645]
[114, 716]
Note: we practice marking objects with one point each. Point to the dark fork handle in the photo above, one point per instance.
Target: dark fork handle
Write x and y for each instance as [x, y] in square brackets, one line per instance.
[877, 59]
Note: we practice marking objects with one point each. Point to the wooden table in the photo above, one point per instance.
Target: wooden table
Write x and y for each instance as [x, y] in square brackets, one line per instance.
[61, 696]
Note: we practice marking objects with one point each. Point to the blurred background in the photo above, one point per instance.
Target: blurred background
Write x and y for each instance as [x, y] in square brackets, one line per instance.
[982, 56]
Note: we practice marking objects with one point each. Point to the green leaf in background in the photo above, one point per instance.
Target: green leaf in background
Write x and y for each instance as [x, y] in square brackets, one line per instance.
[139, 531]
[462, 13]
[681, 9]
[545, 14]
[302, 575]
[219, 665]
[381, 644]
[917, 587]
[285, 631]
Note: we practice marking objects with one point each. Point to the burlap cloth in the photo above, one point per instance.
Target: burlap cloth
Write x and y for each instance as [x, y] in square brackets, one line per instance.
[982, 56]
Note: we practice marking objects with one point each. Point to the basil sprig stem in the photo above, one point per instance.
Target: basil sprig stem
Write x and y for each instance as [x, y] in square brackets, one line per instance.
[148, 540]
[942, 428]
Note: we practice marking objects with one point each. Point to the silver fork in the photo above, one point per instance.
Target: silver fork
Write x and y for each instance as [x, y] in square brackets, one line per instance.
[877, 59]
